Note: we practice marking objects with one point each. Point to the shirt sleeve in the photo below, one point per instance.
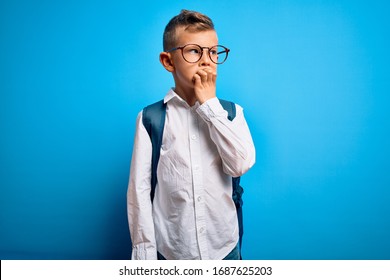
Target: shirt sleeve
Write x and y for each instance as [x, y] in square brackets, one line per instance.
[139, 205]
[232, 138]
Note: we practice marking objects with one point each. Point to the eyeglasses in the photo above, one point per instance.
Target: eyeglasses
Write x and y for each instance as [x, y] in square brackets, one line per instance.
[192, 53]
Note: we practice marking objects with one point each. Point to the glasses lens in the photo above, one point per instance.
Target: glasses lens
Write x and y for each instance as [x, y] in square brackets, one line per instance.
[219, 54]
[192, 53]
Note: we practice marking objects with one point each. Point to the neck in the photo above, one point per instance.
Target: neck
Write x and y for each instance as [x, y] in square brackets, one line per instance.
[188, 96]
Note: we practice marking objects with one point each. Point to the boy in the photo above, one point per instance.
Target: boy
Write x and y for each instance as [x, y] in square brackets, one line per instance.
[192, 215]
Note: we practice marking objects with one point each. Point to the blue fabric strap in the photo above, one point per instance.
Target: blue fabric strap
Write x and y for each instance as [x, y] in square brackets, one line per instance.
[153, 119]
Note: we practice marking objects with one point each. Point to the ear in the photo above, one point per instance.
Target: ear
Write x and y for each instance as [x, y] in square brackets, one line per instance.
[166, 61]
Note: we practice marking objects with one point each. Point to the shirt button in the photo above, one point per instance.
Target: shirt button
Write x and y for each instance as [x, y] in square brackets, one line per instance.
[201, 230]
[199, 198]
[193, 137]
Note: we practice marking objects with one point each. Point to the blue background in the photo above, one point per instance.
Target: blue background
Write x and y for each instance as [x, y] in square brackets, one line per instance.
[313, 79]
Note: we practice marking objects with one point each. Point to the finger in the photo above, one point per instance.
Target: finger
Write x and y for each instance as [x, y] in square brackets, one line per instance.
[214, 78]
[197, 79]
[203, 75]
[211, 76]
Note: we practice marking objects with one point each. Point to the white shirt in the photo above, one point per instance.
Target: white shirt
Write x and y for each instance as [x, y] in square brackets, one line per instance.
[193, 215]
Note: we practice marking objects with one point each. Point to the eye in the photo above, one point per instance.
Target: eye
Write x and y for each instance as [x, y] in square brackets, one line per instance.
[193, 51]
[214, 52]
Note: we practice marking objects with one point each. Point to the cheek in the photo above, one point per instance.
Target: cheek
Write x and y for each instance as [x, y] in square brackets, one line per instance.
[187, 73]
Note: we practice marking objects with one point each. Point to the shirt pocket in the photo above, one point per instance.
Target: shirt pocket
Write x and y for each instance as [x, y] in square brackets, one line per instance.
[173, 170]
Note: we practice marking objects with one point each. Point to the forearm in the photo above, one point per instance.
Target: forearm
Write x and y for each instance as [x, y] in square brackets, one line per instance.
[139, 205]
[232, 138]
[141, 228]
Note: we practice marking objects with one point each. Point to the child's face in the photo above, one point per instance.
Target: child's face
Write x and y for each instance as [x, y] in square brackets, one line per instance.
[184, 71]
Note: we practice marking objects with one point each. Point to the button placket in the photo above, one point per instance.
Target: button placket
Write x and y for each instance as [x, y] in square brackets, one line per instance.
[198, 188]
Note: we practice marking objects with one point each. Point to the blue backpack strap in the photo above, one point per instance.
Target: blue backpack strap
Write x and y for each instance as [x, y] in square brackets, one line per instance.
[153, 119]
[237, 198]
[230, 107]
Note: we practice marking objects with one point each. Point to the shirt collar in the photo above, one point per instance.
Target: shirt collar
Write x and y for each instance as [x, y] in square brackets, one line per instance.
[173, 95]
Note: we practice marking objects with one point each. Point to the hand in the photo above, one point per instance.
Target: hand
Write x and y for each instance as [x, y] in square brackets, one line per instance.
[205, 84]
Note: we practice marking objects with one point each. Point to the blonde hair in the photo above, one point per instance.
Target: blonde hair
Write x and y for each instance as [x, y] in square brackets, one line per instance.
[191, 20]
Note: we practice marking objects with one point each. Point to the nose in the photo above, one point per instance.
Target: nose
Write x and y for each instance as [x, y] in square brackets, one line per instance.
[205, 59]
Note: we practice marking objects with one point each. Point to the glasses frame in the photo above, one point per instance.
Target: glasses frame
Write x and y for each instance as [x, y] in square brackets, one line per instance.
[201, 54]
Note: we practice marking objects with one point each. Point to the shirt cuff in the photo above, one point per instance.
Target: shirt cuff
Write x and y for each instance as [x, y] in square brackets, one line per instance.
[144, 252]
